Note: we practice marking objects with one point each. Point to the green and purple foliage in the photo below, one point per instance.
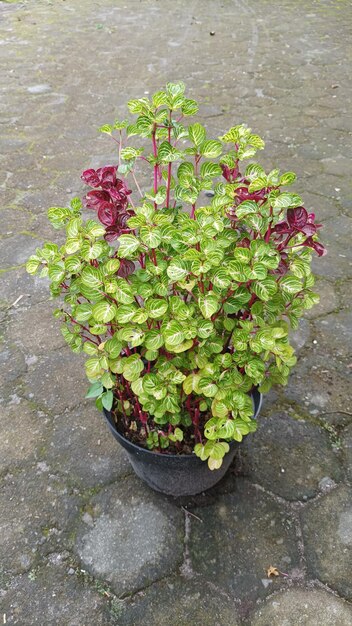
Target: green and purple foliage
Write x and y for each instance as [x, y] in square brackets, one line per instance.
[182, 304]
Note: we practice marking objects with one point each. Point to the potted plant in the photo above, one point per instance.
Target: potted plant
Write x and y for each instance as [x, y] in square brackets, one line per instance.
[181, 303]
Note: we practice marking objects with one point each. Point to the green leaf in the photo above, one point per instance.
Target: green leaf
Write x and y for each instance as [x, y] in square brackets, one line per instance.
[95, 390]
[287, 178]
[73, 227]
[175, 89]
[173, 333]
[93, 368]
[132, 367]
[73, 264]
[32, 264]
[92, 277]
[208, 304]
[189, 107]
[123, 293]
[138, 106]
[197, 134]
[56, 273]
[83, 312]
[104, 311]
[151, 236]
[92, 250]
[217, 450]
[153, 340]
[177, 270]
[129, 244]
[167, 153]
[254, 171]
[58, 216]
[207, 387]
[205, 329]
[265, 289]
[290, 284]
[129, 153]
[156, 308]
[243, 255]
[107, 400]
[159, 99]
[246, 208]
[221, 279]
[210, 149]
[211, 170]
[125, 313]
[106, 128]
[287, 200]
[240, 428]
[258, 184]
[237, 271]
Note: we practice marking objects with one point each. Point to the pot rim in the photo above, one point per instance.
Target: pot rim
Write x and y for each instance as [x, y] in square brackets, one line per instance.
[257, 399]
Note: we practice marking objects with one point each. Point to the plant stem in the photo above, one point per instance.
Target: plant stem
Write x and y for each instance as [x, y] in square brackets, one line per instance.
[136, 183]
[169, 167]
[155, 154]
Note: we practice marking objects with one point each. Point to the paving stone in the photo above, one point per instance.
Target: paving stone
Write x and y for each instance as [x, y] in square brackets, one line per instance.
[336, 236]
[132, 536]
[303, 607]
[319, 383]
[15, 284]
[324, 207]
[347, 448]
[193, 602]
[12, 364]
[37, 516]
[289, 457]
[83, 449]
[35, 330]
[327, 531]
[14, 220]
[57, 381]
[15, 250]
[23, 434]
[239, 537]
[334, 333]
[51, 597]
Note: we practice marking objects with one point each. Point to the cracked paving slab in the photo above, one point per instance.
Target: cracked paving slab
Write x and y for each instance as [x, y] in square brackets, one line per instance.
[130, 536]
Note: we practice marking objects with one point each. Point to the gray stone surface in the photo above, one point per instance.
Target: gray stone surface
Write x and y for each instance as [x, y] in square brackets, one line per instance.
[327, 530]
[289, 457]
[35, 329]
[298, 607]
[239, 537]
[334, 333]
[24, 433]
[179, 602]
[130, 536]
[347, 447]
[56, 376]
[43, 599]
[101, 459]
[65, 69]
[320, 383]
[37, 514]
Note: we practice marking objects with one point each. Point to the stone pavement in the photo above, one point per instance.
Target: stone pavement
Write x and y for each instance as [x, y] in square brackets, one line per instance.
[82, 541]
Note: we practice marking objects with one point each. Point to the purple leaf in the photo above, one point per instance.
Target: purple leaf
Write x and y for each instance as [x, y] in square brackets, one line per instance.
[297, 218]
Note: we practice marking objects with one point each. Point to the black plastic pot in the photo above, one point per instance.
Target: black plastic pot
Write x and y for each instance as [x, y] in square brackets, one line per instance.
[176, 474]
